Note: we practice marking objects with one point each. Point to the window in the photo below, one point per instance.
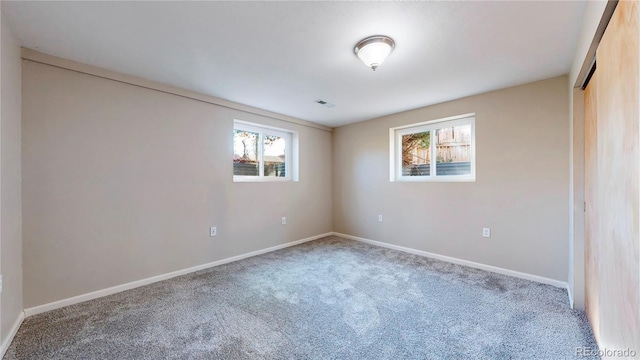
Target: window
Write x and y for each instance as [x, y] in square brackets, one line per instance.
[263, 153]
[439, 150]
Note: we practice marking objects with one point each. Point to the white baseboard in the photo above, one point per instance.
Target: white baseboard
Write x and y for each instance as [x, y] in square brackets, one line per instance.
[134, 284]
[115, 289]
[495, 269]
[570, 294]
[12, 334]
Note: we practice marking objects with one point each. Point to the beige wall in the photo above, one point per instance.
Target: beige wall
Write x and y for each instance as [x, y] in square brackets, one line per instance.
[521, 191]
[122, 183]
[10, 182]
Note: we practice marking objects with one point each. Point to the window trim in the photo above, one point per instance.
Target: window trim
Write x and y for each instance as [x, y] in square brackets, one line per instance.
[395, 149]
[291, 151]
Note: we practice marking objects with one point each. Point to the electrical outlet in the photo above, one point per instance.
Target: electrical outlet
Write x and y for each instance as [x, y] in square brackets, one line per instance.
[213, 231]
[486, 232]
[284, 220]
[380, 218]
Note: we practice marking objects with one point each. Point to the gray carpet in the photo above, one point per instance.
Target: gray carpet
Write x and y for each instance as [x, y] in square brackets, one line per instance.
[327, 299]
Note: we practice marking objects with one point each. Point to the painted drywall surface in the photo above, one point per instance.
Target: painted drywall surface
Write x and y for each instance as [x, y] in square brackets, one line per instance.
[521, 191]
[10, 181]
[590, 21]
[592, 16]
[122, 183]
[572, 189]
[577, 208]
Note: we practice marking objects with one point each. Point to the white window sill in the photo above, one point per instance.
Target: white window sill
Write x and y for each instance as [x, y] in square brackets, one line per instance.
[433, 179]
[257, 179]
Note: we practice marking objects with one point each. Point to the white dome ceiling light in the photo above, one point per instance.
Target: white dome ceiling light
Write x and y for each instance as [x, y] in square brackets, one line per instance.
[374, 49]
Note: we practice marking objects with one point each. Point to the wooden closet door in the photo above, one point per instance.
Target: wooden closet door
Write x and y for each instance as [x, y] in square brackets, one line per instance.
[618, 180]
[591, 208]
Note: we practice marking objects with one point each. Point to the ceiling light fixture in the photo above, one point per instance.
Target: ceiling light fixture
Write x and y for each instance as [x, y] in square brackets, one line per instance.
[374, 49]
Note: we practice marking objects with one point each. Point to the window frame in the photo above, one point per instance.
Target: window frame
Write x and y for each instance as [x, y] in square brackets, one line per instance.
[395, 149]
[291, 152]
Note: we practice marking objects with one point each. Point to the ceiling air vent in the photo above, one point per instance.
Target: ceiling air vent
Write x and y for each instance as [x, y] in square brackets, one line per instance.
[324, 103]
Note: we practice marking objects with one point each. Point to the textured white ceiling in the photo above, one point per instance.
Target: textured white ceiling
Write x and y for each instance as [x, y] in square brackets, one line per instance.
[281, 56]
